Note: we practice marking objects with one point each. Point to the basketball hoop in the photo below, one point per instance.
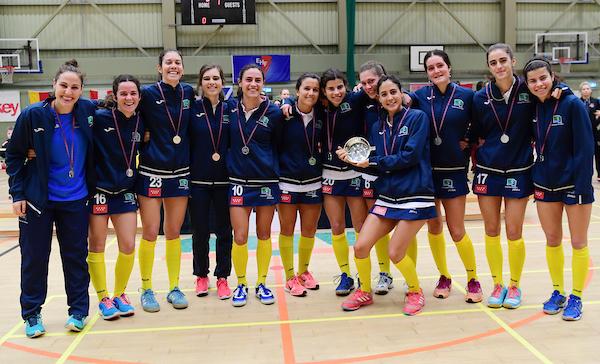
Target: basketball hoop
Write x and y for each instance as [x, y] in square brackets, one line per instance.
[7, 73]
[565, 65]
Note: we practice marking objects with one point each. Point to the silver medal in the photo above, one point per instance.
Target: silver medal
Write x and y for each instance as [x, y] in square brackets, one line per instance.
[71, 173]
[312, 161]
[245, 150]
[437, 141]
[541, 157]
[504, 138]
[129, 172]
[329, 156]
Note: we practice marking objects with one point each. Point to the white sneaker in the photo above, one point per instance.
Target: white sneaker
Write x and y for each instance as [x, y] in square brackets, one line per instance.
[384, 284]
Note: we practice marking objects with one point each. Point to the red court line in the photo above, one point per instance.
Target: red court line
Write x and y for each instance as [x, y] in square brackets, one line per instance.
[286, 331]
[49, 354]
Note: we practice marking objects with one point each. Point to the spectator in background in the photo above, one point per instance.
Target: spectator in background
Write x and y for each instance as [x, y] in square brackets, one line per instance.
[593, 107]
[479, 85]
[3, 146]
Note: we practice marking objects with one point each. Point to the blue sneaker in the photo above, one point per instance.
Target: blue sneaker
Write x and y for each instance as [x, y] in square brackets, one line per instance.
[240, 296]
[34, 326]
[345, 285]
[177, 298]
[75, 322]
[148, 300]
[107, 309]
[496, 299]
[574, 309]
[555, 303]
[264, 295]
[513, 298]
[122, 304]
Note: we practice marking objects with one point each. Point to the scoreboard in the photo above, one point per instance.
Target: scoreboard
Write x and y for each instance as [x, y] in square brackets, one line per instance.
[218, 12]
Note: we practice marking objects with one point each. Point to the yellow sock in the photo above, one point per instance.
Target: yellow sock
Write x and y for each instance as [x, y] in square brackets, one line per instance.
[413, 250]
[264, 250]
[383, 254]
[555, 257]
[363, 265]
[581, 266]
[305, 248]
[286, 252]
[146, 260]
[437, 243]
[173, 257]
[97, 270]
[516, 260]
[493, 252]
[239, 257]
[467, 255]
[341, 250]
[406, 266]
[123, 269]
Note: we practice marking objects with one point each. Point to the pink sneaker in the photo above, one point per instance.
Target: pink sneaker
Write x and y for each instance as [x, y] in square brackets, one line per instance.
[308, 281]
[356, 300]
[415, 301]
[201, 286]
[223, 290]
[442, 290]
[294, 287]
[474, 293]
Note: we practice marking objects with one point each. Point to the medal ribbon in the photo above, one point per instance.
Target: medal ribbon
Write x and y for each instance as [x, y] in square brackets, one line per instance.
[393, 134]
[435, 127]
[310, 144]
[212, 137]
[330, 132]
[244, 141]
[488, 89]
[176, 129]
[537, 127]
[70, 154]
[137, 123]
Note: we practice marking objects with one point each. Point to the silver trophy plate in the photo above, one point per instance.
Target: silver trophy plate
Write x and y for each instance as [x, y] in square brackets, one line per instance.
[358, 149]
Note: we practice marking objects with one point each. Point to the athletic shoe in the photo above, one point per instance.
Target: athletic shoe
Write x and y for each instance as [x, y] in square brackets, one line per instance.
[75, 323]
[201, 286]
[149, 302]
[345, 285]
[34, 326]
[356, 300]
[443, 287]
[414, 303]
[223, 291]
[513, 298]
[405, 288]
[555, 303]
[294, 287]
[574, 309]
[240, 296]
[177, 298]
[107, 309]
[384, 284]
[474, 292]
[308, 281]
[264, 295]
[122, 304]
[496, 299]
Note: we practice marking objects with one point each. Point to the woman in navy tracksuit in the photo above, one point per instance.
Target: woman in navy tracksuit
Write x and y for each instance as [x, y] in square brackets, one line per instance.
[117, 136]
[209, 133]
[501, 114]
[300, 183]
[253, 166]
[405, 197]
[164, 171]
[593, 106]
[449, 108]
[52, 189]
[562, 177]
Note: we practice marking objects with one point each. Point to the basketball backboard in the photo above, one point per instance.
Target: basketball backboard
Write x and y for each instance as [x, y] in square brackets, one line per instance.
[570, 46]
[22, 54]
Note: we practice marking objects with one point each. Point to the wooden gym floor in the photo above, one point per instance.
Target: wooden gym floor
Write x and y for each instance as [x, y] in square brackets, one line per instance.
[311, 329]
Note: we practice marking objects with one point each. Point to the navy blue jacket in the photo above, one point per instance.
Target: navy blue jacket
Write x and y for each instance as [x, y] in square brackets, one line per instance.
[405, 174]
[110, 163]
[569, 147]
[261, 165]
[447, 156]
[294, 152]
[204, 170]
[28, 180]
[593, 105]
[160, 156]
[493, 156]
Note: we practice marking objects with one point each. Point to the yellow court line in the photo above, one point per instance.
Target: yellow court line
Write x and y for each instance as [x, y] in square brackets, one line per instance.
[510, 330]
[11, 332]
[348, 317]
[78, 338]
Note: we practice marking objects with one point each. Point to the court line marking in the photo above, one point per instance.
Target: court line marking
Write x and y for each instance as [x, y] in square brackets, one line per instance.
[50, 354]
[78, 338]
[287, 342]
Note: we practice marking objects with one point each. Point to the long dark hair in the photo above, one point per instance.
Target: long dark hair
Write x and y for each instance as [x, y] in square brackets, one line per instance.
[205, 68]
